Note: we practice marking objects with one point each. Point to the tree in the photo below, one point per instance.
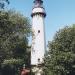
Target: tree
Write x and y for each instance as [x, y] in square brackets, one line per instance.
[60, 59]
[3, 2]
[14, 33]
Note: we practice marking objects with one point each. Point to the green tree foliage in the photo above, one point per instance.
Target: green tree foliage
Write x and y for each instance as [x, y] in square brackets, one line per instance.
[60, 59]
[14, 33]
[3, 2]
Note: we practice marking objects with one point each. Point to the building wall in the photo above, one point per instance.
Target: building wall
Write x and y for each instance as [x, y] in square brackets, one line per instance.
[38, 39]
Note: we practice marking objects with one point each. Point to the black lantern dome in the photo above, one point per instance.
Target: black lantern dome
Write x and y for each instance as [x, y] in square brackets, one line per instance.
[38, 3]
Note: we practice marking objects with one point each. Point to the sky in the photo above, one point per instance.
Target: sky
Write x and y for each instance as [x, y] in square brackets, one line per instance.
[60, 13]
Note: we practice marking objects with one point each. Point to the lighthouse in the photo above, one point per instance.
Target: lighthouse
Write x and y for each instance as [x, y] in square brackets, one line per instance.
[38, 37]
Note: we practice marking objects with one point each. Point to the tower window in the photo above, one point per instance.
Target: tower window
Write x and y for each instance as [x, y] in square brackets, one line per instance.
[38, 59]
[38, 31]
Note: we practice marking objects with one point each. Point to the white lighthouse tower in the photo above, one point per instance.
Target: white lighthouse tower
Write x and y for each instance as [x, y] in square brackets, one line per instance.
[38, 36]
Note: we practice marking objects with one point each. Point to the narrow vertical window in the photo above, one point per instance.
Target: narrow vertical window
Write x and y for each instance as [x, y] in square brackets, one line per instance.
[38, 31]
[39, 60]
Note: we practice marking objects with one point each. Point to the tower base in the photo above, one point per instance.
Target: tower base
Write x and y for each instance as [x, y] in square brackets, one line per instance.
[37, 70]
